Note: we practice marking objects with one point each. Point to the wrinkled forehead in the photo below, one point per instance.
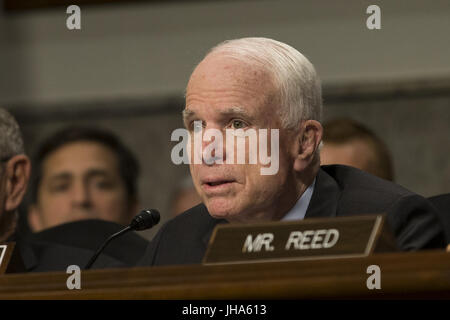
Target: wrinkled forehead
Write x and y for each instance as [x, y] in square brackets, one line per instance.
[220, 81]
[218, 70]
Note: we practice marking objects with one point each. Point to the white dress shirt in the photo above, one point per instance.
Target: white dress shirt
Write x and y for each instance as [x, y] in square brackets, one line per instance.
[298, 211]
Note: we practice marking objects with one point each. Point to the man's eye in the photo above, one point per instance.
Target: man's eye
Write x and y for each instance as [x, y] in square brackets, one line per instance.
[105, 185]
[59, 187]
[238, 124]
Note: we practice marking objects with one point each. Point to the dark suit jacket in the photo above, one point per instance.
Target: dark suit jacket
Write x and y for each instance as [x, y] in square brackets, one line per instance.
[339, 191]
[442, 204]
[74, 243]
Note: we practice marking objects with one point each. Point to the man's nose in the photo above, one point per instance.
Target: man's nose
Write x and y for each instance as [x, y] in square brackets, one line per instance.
[81, 195]
[213, 147]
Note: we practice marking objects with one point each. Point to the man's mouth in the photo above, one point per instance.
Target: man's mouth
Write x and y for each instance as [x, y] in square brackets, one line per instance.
[217, 185]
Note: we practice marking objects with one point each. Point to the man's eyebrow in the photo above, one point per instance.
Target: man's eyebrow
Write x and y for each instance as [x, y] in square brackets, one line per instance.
[187, 114]
[235, 111]
[97, 172]
[91, 173]
[61, 176]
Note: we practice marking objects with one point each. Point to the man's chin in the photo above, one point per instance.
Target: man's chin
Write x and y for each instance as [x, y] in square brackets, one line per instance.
[220, 209]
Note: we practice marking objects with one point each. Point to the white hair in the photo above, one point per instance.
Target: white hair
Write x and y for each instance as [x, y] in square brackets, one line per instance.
[293, 74]
[11, 142]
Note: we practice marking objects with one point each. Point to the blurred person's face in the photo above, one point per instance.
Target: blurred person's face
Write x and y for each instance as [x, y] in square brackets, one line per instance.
[355, 153]
[223, 93]
[80, 180]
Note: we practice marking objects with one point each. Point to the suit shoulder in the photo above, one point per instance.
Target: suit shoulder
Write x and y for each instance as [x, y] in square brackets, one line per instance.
[181, 239]
[195, 215]
[410, 216]
[194, 221]
[361, 192]
[355, 180]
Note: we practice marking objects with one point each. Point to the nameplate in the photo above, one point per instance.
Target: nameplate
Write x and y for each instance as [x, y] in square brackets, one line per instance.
[322, 238]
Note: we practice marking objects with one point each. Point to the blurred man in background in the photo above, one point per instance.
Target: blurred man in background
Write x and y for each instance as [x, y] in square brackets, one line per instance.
[14, 175]
[348, 142]
[84, 189]
[56, 248]
[83, 173]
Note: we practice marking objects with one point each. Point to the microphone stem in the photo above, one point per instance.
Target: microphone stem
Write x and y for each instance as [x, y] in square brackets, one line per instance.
[97, 253]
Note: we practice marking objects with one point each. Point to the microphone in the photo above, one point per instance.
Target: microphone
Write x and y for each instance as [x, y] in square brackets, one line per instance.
[144, 220]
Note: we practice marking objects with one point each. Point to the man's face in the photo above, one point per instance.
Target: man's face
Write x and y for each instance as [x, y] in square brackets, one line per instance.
[79, 181]
[223, 94]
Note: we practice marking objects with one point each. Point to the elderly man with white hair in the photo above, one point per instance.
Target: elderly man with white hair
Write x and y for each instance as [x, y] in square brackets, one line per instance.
[259, 83]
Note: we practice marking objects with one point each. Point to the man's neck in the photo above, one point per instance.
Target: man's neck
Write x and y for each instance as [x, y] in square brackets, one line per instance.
[292, 201]
[303, 181]
[284, 203]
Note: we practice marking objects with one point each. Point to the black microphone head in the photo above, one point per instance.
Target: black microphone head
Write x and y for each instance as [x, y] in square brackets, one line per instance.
[145, 220]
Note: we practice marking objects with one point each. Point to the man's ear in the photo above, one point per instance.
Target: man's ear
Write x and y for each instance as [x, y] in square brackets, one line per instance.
[34, 218]
[309, 138]
[17, 175]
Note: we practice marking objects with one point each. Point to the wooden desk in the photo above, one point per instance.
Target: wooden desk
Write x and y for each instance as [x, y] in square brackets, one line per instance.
[423, 274]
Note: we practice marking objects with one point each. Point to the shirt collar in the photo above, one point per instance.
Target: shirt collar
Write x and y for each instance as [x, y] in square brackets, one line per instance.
[298, 211]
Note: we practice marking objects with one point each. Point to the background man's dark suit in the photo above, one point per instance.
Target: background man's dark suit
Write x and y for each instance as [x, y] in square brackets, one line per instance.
[339, 191]
[74, 243]
[442, 204]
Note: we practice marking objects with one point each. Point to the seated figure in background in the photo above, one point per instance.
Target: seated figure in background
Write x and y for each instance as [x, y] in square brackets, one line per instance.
[348, 142]
[84, 189]
[82, 173]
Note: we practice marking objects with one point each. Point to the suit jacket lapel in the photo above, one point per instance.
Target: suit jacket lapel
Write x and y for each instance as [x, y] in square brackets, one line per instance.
[324, 200]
